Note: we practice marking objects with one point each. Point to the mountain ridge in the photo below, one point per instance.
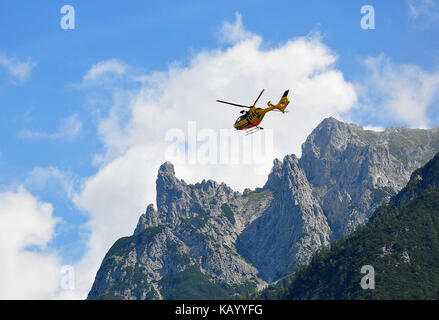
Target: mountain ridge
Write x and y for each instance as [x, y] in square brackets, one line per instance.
[400, 242]
[235, 242]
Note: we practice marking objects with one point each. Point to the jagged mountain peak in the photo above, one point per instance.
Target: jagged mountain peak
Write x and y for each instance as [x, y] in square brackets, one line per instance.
[148, 219]
[283, 172]
[189, 240]
[332, 136]
[168, 187]
[167, 168]
[208, 185]
[332, 125]
[210, 232]
[330, 122]
[400, 243]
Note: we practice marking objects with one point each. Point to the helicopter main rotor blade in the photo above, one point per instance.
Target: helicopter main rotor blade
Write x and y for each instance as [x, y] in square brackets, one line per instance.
[233, 104]
[258, 97]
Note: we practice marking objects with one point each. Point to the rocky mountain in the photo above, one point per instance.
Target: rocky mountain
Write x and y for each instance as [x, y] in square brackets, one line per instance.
[345, 172]
[291, 228]
[353, 170]
[185, 248]
[207, 241]
[400, 242]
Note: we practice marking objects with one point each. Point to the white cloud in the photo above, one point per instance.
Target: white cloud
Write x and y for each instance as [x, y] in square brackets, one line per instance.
[27, 222]
[135, 147]
[18, 70]
[424, 9]
[51, 177]
[69, 128]
[374, 128]
[114, 206]
[104, 69]
[234, 32]
[403, 93]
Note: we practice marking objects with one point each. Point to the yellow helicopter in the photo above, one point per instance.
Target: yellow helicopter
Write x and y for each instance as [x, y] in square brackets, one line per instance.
[252, 118]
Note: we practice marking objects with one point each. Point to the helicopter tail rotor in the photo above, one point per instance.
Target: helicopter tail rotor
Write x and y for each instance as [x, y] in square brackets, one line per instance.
[282, 104]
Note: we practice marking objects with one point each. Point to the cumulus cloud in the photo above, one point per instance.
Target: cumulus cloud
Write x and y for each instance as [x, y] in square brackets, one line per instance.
[27, 269]
[114, 206]
[18, 70]
[234, 32]
[404, 93]
[177, 99]
[68, 129]
[104, 70]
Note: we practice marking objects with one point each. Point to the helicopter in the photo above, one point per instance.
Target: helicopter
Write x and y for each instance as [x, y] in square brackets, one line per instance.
[252, 118]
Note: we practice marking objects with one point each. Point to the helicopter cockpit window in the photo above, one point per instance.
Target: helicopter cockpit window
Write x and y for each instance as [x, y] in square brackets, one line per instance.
[240, 118]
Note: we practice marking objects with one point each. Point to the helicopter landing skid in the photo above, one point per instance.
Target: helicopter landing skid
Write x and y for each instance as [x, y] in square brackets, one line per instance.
[253, 130]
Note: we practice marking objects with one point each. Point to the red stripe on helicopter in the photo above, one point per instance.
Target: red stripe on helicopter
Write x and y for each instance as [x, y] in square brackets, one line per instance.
[251, 126]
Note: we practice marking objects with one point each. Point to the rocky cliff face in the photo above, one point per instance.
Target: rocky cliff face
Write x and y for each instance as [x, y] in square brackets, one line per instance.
[207, 241]
[352, 171]
[344, 174]
[400, 241]
[293, 226]
[187, 243]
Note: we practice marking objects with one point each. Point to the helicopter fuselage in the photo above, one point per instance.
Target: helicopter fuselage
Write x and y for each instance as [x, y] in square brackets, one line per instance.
[251, 118]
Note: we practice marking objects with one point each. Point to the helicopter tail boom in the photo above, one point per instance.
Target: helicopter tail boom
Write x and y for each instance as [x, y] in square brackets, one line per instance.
[282, 104]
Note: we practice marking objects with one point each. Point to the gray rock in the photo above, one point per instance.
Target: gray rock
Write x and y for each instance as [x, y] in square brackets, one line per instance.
[193, 226]
[291, 228]
[352, 170]
[225, 242]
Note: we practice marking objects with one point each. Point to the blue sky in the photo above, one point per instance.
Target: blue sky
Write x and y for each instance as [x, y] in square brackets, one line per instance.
[52, 119]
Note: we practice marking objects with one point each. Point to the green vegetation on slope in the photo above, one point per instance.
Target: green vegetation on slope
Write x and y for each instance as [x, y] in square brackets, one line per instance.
[401, 244]
[257, 195]
[120, 249]
[124, 244]
[191, 284]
